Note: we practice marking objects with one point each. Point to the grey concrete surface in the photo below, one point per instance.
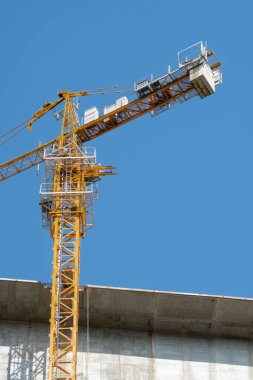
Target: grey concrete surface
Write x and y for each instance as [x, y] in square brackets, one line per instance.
[115, 354]
[132, 334]
[133, 309]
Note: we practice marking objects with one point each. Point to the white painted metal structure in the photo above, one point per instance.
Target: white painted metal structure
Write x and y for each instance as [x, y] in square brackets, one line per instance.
[117, 104]
[53, 156]
[91, 114]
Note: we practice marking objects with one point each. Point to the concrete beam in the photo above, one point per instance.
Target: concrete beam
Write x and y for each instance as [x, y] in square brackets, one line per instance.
[131, 309]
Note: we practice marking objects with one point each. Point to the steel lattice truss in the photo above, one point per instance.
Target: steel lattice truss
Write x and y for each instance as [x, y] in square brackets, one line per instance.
[65, 289]
[171, 91]
[69, 174]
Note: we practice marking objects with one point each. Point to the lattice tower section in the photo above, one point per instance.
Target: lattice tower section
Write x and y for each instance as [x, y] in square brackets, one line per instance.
[67, 210]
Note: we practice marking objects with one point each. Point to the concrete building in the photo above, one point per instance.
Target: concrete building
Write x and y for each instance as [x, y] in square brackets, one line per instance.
[128, 334]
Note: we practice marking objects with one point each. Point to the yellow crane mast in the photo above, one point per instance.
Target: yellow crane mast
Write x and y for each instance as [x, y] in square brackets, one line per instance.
[71, 173]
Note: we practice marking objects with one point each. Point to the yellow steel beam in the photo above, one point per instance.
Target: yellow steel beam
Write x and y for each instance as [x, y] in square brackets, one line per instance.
[102, 125]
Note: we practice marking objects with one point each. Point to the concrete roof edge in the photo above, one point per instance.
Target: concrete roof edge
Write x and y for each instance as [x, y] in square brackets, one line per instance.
[165, 292]
[134, 309]
[147, 291]
[20, 280]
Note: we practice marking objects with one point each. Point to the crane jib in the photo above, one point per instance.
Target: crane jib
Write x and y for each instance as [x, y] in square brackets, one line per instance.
[154, 100]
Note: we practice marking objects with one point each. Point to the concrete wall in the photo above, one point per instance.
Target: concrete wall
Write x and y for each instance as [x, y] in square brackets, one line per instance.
[116, 354]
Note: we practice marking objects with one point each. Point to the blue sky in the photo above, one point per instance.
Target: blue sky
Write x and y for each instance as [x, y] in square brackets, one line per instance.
[179, 214]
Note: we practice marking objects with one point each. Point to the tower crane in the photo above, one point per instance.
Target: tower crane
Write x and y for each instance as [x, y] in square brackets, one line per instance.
[71, 173]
